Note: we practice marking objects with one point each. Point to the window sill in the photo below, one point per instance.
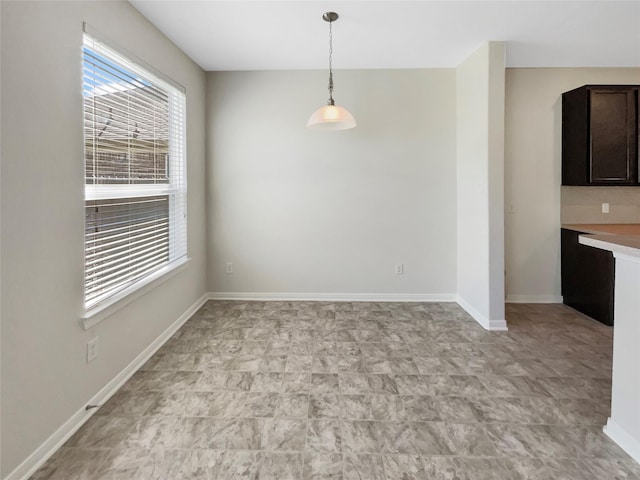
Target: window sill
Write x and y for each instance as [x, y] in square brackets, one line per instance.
[92, 317]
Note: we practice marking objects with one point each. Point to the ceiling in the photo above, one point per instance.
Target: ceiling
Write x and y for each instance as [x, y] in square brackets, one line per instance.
[268, 35]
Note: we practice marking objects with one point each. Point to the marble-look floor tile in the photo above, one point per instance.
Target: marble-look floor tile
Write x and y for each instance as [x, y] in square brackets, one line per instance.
[80, 463]
[457, 385]
[396, 348]
[512, 386]
[583, 412]
[324, 406]
[133, 403]
[267, 382]
[396, 437]
[281, 466]
[151, 432]
[296, 383]
[293, 405]
[324, 383]
[200, 464]
[103, 432]
[432, 438]
[355, 407]
[167, 403]
[145, 380]
[499, 410]
[200, 432]
[299, 363]
[523, 468]
[211, 381]
[468, 439]
[466, 468]
[241, 381]
[244, 363]
[414, 385]
[363, 467]
[322, 466]
[163, 463]
[246, 434]
[324, 348]
[421, 408]
[345, 336]
[360, 436]
[589, 442]
[259, 405]
[614, 469]
[363, 335]
[125, 463]
[273, 363]
[284, 434]
[382, 384]
[353, 383]
[532, 440]
[324, 436]
[214, 404]
[388, 408]
[238, 465]
[336, 364]
[359, 390]
[370, 349]
[405, 467]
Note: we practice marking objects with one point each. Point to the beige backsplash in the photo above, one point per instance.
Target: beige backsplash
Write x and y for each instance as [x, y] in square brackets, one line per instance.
[584, 204]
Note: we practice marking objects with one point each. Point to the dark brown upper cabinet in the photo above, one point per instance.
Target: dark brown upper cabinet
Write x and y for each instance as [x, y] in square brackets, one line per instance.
[600, 135]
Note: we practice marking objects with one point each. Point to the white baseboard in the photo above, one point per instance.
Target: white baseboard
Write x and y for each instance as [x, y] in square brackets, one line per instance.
[334, 297]
[34, 461]
[494, 325]
[619, 435]
[533, 299]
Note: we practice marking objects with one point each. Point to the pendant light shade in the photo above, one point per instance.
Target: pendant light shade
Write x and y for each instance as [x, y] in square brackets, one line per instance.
[331, 116]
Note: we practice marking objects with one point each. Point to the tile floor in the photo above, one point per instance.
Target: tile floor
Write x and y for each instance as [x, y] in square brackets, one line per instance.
[396, 391]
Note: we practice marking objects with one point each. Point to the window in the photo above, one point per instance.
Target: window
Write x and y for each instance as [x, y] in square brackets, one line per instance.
[135, 183]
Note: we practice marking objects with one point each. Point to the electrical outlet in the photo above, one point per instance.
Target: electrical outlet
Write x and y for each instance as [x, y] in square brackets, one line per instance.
[92, 349]
[229, 267]
[605, 208]
[399, 269]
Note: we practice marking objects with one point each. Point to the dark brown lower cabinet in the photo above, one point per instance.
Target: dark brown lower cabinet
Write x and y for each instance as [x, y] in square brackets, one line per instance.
[587, 278]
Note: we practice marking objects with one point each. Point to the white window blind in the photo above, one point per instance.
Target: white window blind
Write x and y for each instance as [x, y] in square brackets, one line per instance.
[135, 178]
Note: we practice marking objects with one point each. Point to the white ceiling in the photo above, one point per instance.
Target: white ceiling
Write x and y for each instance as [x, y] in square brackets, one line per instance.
[269, 35]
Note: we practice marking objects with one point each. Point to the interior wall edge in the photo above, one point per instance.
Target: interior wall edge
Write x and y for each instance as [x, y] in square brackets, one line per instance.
[497, 325]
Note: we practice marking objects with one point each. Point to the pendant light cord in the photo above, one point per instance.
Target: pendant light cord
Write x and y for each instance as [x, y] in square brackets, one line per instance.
[330, 101]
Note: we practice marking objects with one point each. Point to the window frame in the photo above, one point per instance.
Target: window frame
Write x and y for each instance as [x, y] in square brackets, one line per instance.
[175, 189]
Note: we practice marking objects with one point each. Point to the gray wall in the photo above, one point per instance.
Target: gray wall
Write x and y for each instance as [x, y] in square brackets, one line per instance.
[480, 166]
[296, 211]
[300, 211]
[45, 378]
[533, 167]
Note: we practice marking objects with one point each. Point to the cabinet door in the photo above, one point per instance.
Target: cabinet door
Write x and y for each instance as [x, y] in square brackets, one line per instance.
[588, 278]
[613, 127]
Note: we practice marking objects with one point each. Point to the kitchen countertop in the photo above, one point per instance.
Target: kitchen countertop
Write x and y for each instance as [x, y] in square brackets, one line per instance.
[626, 244]
[625, 229]
[614, 237]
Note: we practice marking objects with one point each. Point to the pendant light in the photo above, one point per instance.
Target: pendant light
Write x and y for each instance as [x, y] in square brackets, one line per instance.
[331, 116]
